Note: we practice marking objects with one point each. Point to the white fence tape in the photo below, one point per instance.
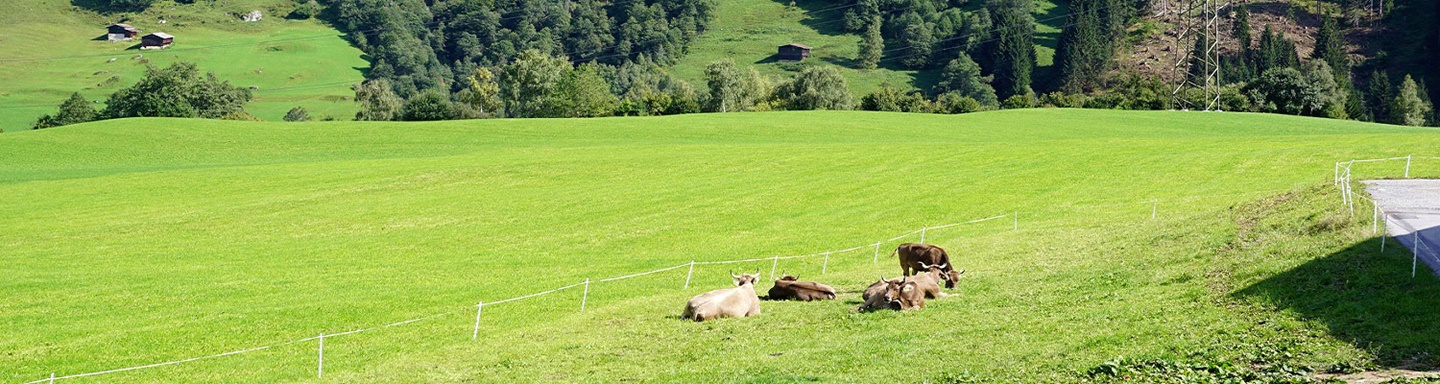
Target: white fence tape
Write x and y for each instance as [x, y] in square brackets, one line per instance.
[479, 308]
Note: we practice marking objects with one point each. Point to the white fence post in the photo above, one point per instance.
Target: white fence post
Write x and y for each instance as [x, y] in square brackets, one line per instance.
[826, 265]
[1416, 260]
[922, 234]
[774, 263]
[1375, 220]
[586, 296]
[320, 364]
[52, 377]
[1154, 207]
[689, 274]
[1017, 220]
[1337, 173]
[877, 253]
[1407, 165]
[478, 308]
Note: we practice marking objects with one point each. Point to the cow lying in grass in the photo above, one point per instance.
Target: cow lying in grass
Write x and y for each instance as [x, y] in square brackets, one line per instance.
[883, 294]
[901, 294]
[740, 301]
[790, 288]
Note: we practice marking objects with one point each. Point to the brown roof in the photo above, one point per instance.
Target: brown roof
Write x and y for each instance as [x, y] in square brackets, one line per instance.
[796, 45]
[127, 27]
[161, 35]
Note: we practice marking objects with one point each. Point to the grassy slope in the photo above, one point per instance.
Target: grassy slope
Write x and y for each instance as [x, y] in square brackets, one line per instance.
[294, 63]
[129, 242]
[748, 31]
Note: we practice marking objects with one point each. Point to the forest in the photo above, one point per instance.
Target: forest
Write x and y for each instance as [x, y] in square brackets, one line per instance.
[465, 59]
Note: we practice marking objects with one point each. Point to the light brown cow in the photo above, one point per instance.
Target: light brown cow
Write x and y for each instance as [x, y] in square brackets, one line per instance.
[740, 301]
[790, 288]
[939, 273]
[901, 294]
[912, 255]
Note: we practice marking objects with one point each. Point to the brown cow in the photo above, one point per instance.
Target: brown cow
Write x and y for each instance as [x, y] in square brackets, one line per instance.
[790, 288]
[938, 273]
[900, 295]
[913, 254]
[740, 301]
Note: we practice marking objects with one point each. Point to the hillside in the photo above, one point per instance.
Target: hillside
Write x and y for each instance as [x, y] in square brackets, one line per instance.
[138, 241]
[748, 31]
[49, 49]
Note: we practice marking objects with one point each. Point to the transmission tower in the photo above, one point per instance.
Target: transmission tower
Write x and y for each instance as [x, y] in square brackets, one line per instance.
[1197, 70]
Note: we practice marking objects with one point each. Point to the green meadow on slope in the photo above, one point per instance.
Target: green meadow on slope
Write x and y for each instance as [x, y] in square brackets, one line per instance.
[747, 31]
[48, 49]
[145, 240]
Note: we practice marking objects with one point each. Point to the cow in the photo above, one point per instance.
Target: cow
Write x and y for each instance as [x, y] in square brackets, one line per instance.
[901, 294]
[939, 273]
[912, 254]
[740, 301]
[790, 288]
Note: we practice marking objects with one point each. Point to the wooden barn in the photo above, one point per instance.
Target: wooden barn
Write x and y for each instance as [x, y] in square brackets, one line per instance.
[122, 32]
[793, 52]
[157, 40]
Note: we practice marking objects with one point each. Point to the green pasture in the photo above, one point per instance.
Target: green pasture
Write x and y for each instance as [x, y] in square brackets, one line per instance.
[138, 241]
[49, 49]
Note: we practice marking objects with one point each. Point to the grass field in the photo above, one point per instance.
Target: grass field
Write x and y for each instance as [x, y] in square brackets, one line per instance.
[48, 50]
[747, 31]
[138, 241]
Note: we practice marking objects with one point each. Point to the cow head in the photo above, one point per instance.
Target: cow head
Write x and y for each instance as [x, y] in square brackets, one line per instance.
[741, 280]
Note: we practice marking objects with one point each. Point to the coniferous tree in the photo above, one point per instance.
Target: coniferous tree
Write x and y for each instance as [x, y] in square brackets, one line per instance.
[872, 45]
[1085, 46]
[917, 37]
[1275, 52]
[1013, 54]
[1379, 94]
[1330, 46]
[1241, 30]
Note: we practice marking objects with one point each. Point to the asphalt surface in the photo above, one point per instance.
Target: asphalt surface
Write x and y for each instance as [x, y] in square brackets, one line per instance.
[1411, 207]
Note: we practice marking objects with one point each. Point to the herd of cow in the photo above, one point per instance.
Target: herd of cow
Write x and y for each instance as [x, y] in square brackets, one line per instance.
[923, 269]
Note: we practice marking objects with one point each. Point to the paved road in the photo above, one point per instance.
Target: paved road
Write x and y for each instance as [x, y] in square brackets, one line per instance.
[1411, 206]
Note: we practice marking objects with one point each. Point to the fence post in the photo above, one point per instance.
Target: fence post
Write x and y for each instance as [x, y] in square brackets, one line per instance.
[478, 308]
[1407, 165]
[320, 364]
[1337, 173]
[689, 274]
[922, 234]
[774, 263]
[1017, 220]
[1375, 220]
[877, 253]
[1154, 207]
[52, 377]
[1386, 218]
[1416, 260]
[586, 296]
[826, 265]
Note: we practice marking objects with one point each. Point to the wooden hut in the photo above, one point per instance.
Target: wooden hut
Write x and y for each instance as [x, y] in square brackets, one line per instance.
[793, 52]
[157, 40]
[122, 32]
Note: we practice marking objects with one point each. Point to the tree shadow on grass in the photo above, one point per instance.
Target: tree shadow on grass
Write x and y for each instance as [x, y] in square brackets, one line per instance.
[1364, 298]
[823, 16]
